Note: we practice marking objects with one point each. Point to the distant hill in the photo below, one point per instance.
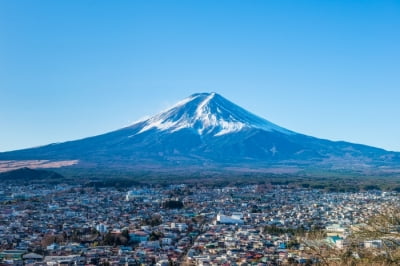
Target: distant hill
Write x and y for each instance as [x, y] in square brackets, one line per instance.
[208, 132]
[29, 174]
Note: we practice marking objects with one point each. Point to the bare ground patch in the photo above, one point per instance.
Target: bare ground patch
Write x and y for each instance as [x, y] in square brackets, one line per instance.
[14, 164]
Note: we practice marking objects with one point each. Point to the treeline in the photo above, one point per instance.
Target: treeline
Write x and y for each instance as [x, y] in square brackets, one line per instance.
[114, 182]
[351, 186]
[172, 204]
[326, 181]
[116, 239]
[300, 231]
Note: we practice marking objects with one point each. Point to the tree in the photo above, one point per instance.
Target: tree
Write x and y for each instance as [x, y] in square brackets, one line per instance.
[153, 220]
[155, 235]
[125, 235]
[385, 228]
[173, 204]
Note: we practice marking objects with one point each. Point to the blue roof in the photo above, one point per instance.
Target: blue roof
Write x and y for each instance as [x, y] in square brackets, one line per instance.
[335, 238]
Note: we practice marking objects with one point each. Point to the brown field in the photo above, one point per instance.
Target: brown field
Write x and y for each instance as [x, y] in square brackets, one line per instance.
[12, 165]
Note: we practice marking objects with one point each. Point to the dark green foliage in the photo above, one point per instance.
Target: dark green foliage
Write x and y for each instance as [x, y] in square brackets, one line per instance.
[124, 179]
[274, 230]
[27, 174]
[173, 204]
[293, 244]
[116, 239]
[371, 187]
[113, 182]
[153, 221]
[155, 236]
[255, 209]
[125, 233]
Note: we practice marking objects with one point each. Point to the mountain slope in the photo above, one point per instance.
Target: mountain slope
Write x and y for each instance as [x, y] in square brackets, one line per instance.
[207, 130]
[29, 174]
[208, 114]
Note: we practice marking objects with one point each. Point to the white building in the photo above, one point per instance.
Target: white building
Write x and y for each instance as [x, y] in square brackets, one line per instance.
[234, 219]
[335, 230]
[102, 228]
[373, 244]
[180, 226]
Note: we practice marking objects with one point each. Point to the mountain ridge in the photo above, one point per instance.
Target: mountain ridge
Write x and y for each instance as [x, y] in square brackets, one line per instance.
[206, 130]
[26, 173]
[212, 112]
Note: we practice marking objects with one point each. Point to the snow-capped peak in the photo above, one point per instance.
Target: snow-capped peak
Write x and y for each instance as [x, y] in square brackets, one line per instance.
[208, 113]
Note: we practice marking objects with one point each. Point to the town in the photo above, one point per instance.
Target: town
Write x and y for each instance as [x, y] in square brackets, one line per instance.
[180, 224]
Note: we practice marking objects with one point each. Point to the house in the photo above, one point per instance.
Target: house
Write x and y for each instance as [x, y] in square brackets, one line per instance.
[32, 258]
[138, 236]
[64, 260]
[53, 246]
[335, 240]
[224, 219]
[335, 230]
[124, 250]
[163, 263]
[373, 244]
[102, 228]
[12, 254]
[180, 226]
[166, 241]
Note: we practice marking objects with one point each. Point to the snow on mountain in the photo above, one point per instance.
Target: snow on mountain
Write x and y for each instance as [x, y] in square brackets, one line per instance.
[208, 113]
[206, 130]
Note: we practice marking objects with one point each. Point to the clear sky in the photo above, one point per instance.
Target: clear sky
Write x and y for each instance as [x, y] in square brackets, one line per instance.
[73, 69]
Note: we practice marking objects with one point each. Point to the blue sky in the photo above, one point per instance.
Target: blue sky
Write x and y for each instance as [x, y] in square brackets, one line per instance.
[72, 69]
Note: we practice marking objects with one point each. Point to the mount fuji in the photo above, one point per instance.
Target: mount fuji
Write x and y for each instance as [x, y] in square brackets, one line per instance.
[207, 131]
